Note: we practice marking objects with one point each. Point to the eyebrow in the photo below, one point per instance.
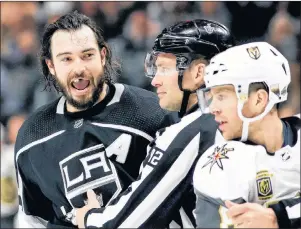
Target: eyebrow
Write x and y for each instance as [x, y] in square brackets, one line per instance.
[69, 53]
[219, 90]
[163, 64]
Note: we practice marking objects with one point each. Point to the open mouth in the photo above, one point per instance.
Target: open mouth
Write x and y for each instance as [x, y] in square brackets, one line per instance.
[80, 84]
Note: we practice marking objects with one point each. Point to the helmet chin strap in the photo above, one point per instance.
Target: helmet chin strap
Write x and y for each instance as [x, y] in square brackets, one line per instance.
[186, 94]
[245, 131]
[247, 121]
[184, 104]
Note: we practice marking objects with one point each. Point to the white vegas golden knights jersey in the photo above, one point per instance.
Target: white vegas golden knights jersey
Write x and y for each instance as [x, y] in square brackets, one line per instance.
[244, 173]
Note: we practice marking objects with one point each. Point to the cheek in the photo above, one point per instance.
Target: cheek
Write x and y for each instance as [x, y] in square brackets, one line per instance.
[95, 65]
[230, 109]
[234, 112]
[96, 69]
[170, 84]
[236, 122]
[62, 70]
[173, 82]
[249, 110]
[173, 93]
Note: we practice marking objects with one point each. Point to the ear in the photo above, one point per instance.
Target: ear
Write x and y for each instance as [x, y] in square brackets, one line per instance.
[260, 100]
[198, 77]
[50, 66]
[103, 54]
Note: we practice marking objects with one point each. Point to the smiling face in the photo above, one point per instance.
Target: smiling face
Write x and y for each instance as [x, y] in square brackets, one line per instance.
[166, 82]
[78, 66]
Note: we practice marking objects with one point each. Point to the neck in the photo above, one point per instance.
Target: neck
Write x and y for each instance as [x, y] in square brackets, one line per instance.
[268, 132]
[193, 99]
[73, 109]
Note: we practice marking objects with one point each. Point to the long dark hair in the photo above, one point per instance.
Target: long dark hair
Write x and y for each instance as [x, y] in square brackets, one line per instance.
[70, 22]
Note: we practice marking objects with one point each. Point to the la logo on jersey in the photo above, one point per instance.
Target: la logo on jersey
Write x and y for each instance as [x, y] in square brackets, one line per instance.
[89, 169]
[217, 156]
[264, 185]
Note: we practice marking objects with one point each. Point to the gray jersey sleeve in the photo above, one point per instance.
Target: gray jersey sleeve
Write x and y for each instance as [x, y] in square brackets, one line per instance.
[211, 212]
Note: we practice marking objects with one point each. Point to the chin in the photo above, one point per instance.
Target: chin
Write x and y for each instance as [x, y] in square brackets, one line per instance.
[163, 105]
[82, 102]
[227, 136]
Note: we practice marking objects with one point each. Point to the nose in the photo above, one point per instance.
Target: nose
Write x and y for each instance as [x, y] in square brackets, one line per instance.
[79, 67]
[214, 108]
[156, 82]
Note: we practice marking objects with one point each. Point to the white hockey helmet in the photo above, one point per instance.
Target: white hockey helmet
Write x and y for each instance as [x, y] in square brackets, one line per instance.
[243, 65]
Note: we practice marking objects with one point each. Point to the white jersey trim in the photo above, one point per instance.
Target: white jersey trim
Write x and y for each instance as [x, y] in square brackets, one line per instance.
[185, 219]
[60, 105]
[294, 211]
[126, 128]
[117, 95]
[29, 221]
[45, 139]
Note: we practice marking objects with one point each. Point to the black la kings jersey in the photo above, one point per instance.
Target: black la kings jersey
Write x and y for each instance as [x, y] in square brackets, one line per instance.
[60, 155]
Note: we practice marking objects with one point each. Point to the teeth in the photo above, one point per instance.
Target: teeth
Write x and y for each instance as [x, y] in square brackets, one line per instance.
[77, 80]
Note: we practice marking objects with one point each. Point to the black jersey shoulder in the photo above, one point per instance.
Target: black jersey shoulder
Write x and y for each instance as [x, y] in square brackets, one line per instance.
[139, 109]
[41, 123]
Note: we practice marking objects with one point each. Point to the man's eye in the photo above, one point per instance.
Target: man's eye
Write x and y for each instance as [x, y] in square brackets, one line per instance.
[66, 59]
[220, 97]
[88, 55]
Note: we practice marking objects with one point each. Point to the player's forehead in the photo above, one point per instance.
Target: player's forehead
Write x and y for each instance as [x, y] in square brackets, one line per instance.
[65, 41]
[166, 59]
[228, 88]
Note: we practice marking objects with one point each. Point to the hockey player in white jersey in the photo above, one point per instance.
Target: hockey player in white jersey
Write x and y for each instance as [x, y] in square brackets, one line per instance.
[244, 84]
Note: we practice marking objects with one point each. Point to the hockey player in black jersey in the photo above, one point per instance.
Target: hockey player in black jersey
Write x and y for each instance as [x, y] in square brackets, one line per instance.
[261, 176]
[93, 137]
[163, 194]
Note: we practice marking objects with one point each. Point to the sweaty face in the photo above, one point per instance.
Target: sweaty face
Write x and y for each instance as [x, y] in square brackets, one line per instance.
[78, 66]
[224, 107]
[166, 82]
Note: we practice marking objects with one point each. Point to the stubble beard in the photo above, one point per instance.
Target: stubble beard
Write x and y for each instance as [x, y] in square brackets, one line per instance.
[86, 102]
